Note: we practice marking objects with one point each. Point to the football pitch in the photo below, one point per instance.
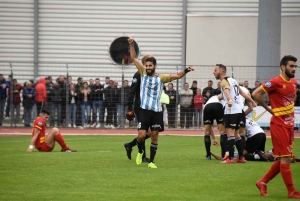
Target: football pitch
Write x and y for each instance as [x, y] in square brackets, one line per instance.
[100, 170]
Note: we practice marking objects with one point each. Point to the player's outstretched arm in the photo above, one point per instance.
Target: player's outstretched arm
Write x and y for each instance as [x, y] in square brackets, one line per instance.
[33, 139]
[133, 57]
[247, 97]
[181, 74]
[257, 93]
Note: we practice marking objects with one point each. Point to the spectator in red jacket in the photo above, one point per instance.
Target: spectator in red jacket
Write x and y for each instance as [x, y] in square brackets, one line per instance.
[198, 103]
[17, 88]
[40, 95]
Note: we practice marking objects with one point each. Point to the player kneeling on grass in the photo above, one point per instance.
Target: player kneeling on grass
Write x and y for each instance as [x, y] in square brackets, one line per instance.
[45, 143]
[255, 144]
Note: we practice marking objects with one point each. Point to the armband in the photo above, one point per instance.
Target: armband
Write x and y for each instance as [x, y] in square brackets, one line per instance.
[30, 147]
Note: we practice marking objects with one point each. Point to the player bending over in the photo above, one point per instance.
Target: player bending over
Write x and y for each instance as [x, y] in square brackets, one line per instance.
[42, 142]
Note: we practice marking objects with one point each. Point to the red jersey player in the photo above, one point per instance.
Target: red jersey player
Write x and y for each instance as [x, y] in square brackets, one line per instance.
[282, 94]
[42, 142]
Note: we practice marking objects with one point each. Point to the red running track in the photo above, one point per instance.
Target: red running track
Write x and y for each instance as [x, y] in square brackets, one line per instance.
[90, 131]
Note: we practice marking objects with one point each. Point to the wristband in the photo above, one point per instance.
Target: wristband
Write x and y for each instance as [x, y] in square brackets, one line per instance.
[30, 147]
[186, 70]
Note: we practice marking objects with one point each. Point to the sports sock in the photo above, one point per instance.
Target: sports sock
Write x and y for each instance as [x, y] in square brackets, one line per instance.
[153, 149]
[286, 174]
[59, 138]
[223, 140]
[140, 145]
[207, 143]
[133, 143]
[272, 172]
[230, 144]
[239, 146]
[243, 140]
[144, 149]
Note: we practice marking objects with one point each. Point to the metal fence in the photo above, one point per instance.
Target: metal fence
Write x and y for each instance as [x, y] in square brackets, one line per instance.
[65, 113]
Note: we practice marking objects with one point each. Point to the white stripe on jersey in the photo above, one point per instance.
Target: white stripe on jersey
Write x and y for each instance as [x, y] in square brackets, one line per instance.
[151, 88]
[234, 94]
[252, 128]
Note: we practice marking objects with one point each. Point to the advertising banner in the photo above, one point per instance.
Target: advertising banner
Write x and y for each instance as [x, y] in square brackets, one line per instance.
[262, 117]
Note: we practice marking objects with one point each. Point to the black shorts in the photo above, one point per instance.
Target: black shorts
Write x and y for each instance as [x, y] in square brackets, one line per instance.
[137, 114]
[232, 120]
[256, 142]
[150, 119]
[213, 111]
[243, 120]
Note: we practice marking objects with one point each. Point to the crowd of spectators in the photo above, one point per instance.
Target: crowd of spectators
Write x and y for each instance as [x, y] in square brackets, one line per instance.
[95, 104]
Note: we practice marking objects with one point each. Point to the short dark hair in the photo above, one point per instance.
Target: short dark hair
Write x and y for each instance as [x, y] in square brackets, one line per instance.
[222, 67]
[195, 81]
[152, 60]
[79, 79]
[210, 81]
[97, 79]
[170, 83]
[107, 78]
[45, 112]
[286, 59]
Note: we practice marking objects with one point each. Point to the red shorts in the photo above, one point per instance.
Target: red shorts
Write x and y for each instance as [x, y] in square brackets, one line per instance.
[45, 148]
[282, 140]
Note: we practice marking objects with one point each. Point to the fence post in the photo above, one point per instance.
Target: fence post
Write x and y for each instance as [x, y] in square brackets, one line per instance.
[177, 101]
[11, 96]
[121, 117]
[232, 75]
[67, 97]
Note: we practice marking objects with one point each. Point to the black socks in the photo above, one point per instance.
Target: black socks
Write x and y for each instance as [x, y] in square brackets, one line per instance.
[153, 149]
[207, 143]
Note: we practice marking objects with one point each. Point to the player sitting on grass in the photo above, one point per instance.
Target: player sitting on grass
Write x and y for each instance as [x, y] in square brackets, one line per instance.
[42, 142]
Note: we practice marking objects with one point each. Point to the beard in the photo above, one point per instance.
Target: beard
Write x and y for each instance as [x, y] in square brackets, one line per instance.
[150, 72]
[289, 75]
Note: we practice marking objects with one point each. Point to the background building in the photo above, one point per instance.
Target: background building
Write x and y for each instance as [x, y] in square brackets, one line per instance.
[41, 36]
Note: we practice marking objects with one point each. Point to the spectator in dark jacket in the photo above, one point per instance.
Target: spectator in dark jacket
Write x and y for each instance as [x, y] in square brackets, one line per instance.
[78, 86]
[125, 94]
[110, 102]
[49, 87]
[3, 86]
[56, 97]
[28, 102]
[208, 89]
[97, 97]
[62, 83]
[7, 109]
[171, 107]
[73, 105]
[17, 88]
[85, 99]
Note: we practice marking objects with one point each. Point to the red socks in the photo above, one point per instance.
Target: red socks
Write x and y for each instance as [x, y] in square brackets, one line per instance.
[59, 138]
[286, 174]
[273, 171]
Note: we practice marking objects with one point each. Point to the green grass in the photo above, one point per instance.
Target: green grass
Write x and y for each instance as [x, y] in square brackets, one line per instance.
[100, 170]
